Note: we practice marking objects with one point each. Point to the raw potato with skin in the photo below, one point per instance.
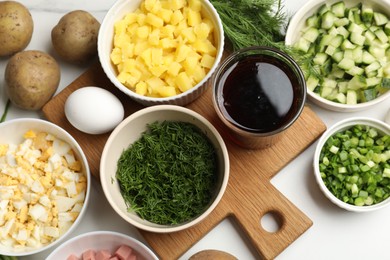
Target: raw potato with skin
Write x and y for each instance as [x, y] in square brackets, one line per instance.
[16, 27]
[74, 38]
[31, 78]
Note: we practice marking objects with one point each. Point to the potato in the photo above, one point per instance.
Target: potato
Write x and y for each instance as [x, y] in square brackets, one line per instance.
[31, 78]
[16, 27]
[212, 254]
[74, 38]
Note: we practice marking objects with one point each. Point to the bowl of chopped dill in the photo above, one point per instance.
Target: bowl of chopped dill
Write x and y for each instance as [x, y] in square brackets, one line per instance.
[351, 164]
[344, 52]
[164, 168]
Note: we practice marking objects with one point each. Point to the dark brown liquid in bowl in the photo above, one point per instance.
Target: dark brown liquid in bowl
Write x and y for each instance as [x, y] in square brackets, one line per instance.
[258, 93]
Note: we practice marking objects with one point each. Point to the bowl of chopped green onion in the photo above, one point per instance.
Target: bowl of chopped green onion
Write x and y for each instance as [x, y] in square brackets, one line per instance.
[164, 168]
[343, 49]
[352, 164]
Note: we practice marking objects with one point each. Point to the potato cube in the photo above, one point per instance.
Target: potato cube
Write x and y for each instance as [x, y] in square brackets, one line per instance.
[174, 68]
[136, 74]
[140, 46]
[165, 14]
[195, 5]
[182, 52]
[209, 23]
[176, 4]
[207, 61]
[141, 19]
[199, 74]
[129, 65]
[168, 43]
[122, 77]
[146, 55]
[157, 56]
[181, 26]
[130, 18]
[188, 34]
[128, 51]
[189, 64]
[194, 54]
[157, 71]
[116, 55]
[132, 29]
[154, 83]
[183, 82]
[120, 27]
[121, 40]
[168, 58]
[143, 31]
[177, 17]
[167, 31]
[149, 4]
[202, 31]
[204, 47]
[154, 20]
[193, 17]
[170, 80]
[167, 91]
[141, 88]
[154, 37]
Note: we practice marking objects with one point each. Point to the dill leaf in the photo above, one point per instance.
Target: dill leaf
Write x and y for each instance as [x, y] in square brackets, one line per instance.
[4, 116]
[168, 175]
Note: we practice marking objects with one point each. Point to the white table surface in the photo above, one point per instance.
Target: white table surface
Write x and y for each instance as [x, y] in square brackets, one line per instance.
[335, 234]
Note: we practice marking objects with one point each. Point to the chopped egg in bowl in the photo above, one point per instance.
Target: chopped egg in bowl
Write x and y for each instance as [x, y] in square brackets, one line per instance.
[44, 185]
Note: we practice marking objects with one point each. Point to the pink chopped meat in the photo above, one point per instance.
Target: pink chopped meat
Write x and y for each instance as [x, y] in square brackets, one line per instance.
[89, 255]
[114, 258]
[72, 257]
[123, 252]
[103, 255]
[132, 257]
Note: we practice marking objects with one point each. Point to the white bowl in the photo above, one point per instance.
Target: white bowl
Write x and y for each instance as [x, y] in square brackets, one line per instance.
[105, 46]
[12, 132]
[382, 127]
[297, 23]
[99, 240]
[128, 132]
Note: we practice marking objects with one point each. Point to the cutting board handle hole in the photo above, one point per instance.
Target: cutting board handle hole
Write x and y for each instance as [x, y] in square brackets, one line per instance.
[271, 221]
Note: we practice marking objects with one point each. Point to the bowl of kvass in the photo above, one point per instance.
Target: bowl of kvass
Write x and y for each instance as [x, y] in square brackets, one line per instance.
[258, 93]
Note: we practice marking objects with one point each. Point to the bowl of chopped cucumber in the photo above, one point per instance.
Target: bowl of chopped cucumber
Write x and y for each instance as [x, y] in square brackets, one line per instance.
[345, 55]
[164, 168]
[351, 164]
[160, 51]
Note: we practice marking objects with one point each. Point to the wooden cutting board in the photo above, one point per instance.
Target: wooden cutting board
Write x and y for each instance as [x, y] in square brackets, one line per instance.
[249, 195]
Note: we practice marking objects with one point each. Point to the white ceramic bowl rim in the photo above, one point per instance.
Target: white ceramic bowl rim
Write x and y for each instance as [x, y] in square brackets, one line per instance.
[103, 57]
[217, 198]
[74, 144]
[291, 33]
[101, 233]
[338, 127]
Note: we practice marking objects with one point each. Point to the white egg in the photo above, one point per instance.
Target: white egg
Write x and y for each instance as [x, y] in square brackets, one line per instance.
[93, 110]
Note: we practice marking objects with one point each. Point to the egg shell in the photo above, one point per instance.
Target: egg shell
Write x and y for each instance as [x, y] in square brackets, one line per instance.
[93, 110]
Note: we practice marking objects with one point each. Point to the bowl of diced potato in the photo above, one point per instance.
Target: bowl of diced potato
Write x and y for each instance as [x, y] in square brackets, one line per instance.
[161, 51]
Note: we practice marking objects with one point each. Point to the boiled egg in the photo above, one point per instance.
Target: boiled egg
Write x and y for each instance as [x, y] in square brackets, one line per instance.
[93, 110]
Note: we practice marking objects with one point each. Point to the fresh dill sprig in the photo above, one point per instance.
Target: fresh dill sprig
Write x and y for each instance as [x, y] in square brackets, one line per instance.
[7, 106]
[249, 23]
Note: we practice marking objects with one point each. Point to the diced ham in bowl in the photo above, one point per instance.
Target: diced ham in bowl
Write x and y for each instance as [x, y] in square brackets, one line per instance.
[102, 245]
